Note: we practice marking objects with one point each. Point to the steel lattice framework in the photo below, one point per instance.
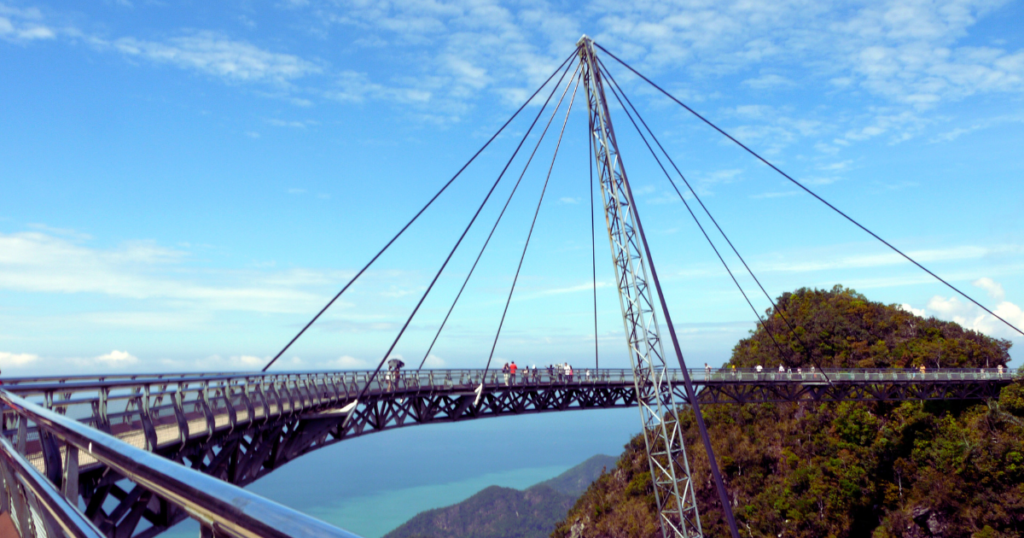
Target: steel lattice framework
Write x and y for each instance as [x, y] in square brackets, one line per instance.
[670, 470]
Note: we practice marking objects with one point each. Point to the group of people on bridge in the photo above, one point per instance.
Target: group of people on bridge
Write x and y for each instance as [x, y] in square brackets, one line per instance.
[562, 372]
[788, 373]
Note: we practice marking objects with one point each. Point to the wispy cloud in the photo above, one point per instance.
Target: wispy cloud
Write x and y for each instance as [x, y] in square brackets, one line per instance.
[819, 262]
[37, 262]
[356, 87]
[782, 194]
[215, 54]
[23, 25]
[768, 81]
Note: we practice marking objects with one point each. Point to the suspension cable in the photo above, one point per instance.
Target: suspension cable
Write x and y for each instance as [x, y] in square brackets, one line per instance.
[417, 215]
[693, 191]
[536, 212]
[613, 86]
[423, 298]
[500, 215]
[593, 236]
[812, 193]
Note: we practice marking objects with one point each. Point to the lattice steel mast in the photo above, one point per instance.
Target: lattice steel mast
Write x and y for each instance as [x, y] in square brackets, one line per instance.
[670, 469]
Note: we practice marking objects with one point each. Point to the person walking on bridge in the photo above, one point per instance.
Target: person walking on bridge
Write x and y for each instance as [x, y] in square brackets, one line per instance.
[707, 372]
[504, 372]
[512, 370]
[568, 373]
[782, 371]
[394, 373]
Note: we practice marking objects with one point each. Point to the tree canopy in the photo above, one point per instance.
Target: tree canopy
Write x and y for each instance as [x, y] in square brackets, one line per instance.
[851, 469]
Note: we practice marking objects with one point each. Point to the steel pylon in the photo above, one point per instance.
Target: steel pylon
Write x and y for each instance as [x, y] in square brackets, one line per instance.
[666, 452]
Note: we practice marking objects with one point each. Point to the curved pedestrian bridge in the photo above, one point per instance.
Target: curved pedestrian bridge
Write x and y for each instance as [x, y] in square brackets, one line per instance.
[237, 427]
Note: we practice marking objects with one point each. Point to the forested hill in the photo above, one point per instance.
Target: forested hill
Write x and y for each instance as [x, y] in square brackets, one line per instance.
[880, 470]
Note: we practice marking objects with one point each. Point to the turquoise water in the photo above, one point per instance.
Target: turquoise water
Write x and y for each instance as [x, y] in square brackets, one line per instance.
[369, 485]
[375, 515]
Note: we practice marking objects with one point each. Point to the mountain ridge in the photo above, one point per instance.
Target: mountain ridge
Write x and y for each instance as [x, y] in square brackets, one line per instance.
[499, 512]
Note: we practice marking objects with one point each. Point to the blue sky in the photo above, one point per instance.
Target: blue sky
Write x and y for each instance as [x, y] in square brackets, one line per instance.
[184, 184]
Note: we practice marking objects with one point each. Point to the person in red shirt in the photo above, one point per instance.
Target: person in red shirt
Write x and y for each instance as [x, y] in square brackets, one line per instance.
[512, 369]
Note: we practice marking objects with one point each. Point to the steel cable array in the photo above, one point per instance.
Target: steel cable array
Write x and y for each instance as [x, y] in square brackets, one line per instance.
[535, 213]
[614, 86]
[426, 293]
[809, 191]
[416, 216]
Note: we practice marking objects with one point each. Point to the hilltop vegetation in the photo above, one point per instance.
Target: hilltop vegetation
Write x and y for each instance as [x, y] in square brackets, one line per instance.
[852, 469]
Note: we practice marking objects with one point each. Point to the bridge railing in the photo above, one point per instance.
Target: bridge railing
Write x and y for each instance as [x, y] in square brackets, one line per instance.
[35, 505]
[41, 510]
[151, 411]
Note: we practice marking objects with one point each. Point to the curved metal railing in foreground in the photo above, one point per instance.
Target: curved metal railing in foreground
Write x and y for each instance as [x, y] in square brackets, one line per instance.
[39, 509]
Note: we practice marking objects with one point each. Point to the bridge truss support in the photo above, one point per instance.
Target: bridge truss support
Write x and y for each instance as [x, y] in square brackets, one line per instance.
[670, 471]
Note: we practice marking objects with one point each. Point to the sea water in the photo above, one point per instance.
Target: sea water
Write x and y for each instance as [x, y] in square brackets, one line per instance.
[371, 484]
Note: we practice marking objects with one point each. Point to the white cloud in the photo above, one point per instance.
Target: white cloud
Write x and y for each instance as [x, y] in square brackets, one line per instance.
[250, 361]
[217, 55]
[347, 362]
[8, 359]
[782, 194]
[907, 54]
[994, 289]
[20, 25]
[356, 87]
[37, 262]
[433, 361]
[972, 317]
[117, 358]
[768, 81]
[818, 261]
[916, 311]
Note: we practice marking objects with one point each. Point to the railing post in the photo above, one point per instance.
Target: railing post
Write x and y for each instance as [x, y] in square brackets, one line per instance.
[19, 443]
[204, 402]
[247, 402]
[177, 402]
[229, 394]
[148, 430]
[277, 398]
[99, 410]
[262, 395]
[51, 457]
[69, 484]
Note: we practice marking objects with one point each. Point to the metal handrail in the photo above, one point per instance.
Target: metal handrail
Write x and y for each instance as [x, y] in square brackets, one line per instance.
[435, 377]
[214, 503]
[41, 496]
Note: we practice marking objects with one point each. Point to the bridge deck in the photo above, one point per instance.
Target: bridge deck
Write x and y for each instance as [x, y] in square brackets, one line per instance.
[312, 395]
[239, 427]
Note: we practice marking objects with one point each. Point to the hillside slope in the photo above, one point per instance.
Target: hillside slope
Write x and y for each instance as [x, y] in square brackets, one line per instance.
[911, 469]
[497, 512]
